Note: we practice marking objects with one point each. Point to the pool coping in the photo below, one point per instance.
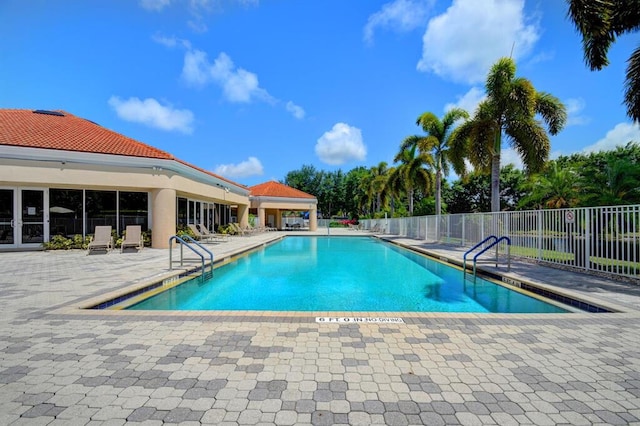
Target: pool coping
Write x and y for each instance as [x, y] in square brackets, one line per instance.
[83, 307]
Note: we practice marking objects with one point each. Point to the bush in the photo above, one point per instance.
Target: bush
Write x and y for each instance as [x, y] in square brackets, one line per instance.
[60, 242]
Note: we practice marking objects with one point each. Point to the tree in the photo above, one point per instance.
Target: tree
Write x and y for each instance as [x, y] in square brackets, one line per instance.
[307, 179]
[411, 172]
[555, 188]
[618, 183]
[473, 194]
[438, 141]
[600, 23]
[511, 108]
[355, 198]
[377, 184]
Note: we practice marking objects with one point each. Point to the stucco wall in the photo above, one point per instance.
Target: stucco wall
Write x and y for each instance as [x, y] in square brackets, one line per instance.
[163, 186]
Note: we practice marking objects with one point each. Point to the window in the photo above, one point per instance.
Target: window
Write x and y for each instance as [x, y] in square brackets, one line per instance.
[133, 209]
[181, 215]
[65, 212]
[100, 209]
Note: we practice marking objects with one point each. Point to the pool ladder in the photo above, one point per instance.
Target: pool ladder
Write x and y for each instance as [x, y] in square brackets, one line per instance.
[494, 241]
[183, 243]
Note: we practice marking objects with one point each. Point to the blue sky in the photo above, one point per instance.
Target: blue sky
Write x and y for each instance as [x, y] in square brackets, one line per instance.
[254, 89]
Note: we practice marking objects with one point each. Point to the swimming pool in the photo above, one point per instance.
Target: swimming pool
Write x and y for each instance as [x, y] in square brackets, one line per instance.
[359, 274]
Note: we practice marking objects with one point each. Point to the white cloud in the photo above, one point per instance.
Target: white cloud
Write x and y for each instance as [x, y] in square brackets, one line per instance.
[250, 167]
[469, 101]
[574, 112]
[198, 10]
[463, 43]
[399, 15]
[341, 144]
[296, 110]
[151, 113]
[238, 85]
[154, 5]
[171, 42]
[510, 156]
[620, 135]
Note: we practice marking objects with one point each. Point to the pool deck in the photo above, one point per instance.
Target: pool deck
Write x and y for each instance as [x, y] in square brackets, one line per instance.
[61, 365]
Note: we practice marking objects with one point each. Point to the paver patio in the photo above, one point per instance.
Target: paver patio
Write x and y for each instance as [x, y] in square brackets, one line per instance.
[62, 366]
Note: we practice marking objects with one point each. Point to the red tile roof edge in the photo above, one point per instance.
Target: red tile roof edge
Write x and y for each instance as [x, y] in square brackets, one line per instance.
[28, 129]
[278, 190]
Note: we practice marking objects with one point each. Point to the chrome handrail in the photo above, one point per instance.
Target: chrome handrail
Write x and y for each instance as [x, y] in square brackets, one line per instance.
[185, 243]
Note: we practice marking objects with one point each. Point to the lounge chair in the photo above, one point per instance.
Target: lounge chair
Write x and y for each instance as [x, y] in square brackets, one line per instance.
[101, 240]
[132, 238]
[236, 228]
[376, 228]
[199, 235]
[215, 236]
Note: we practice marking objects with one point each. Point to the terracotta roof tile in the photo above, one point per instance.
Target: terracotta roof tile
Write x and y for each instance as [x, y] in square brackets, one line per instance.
[62, 131]
[68, 133]
[277, 189]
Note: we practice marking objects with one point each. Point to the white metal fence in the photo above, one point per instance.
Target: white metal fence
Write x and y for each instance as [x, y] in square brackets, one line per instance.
[604, 239]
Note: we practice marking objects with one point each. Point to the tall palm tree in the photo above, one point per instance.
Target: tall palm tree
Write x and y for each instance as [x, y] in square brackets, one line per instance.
[377, 185]
[600, 23]
[438, 142]
[412, 173]
[511, 108]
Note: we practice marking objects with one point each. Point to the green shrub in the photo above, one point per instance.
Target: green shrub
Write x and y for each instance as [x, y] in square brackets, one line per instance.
[60, 242]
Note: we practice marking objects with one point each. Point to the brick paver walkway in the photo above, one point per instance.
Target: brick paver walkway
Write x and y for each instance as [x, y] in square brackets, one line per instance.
[57, 367]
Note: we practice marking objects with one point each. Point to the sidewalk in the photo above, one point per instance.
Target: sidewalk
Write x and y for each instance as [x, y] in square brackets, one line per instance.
[63, 369]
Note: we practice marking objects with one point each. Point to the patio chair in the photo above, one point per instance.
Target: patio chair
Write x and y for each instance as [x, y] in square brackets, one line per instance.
[197, 235]
[101, 240]
[238, 230]
[132, 238]
[213, 235]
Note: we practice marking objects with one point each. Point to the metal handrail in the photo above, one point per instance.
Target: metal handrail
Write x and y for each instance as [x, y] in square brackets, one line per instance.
[494, 243]
[464, 258]
[185, 243]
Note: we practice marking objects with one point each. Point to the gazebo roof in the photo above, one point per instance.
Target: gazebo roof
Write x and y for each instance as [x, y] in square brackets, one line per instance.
[277, 189]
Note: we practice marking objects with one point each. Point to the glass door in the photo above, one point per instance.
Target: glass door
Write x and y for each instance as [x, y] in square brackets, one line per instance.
[32, 220]
[7, 218]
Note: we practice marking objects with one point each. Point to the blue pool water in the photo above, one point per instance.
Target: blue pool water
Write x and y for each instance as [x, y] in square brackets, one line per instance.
[341, 274]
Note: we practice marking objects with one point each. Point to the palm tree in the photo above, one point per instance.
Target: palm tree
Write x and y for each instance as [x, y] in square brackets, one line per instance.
[377, 185]
[618, 183]
[411, 172]
[438, 142]
[510, 108]
[600, 23]
[556, 188]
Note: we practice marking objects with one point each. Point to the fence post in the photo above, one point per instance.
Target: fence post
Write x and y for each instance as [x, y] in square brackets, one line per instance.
[587, 239]
[464, 219]
[540, 234]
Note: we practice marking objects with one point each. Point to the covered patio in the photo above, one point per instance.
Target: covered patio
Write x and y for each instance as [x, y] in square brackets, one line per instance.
[269, 200]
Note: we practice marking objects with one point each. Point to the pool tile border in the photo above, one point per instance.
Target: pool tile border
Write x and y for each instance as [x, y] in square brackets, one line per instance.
[82, 308]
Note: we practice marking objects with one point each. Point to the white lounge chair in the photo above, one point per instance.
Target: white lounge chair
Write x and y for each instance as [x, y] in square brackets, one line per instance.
[132, 238]
[101, 240]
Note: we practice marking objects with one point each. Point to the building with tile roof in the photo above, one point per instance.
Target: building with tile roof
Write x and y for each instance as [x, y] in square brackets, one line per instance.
[271, 199]
[63, 175]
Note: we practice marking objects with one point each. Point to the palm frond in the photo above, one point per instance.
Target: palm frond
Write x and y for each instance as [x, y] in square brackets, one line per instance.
[632, 86]
[552, 111]
[499, 79]
[531, 142]
[593, 20]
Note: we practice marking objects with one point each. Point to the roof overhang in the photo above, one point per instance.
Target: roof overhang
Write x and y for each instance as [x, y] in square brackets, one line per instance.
[292, 200]
[110, 160]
